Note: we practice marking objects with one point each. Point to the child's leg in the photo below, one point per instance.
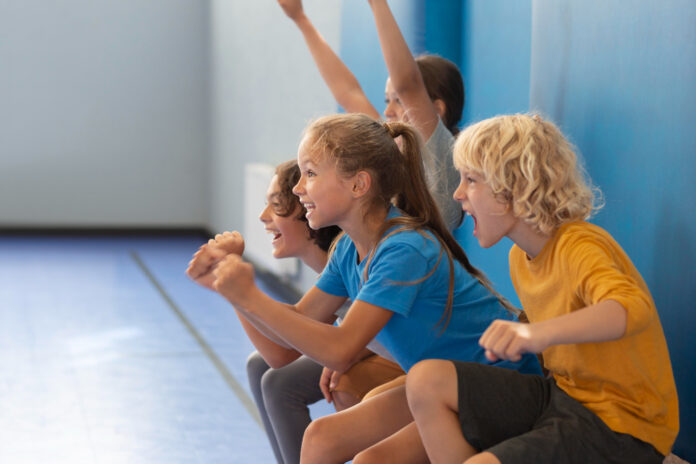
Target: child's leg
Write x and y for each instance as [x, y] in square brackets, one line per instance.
[431, 388]
[362, 378]
[339, 437]
[287, 393]
[404, 447]
[256, 368]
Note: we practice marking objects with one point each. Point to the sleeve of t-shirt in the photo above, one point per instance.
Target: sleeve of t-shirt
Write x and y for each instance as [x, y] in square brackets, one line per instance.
[395, 278]
[330, 280]
[601, 275]
[441, 175]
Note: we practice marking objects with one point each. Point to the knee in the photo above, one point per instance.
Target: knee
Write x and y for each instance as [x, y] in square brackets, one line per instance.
[256, 367]
[276, 382]
[427, 380]
[320, 440]
[343, 400]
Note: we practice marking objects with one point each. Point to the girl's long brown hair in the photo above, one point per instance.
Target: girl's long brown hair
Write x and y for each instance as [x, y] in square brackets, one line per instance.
[356, 143]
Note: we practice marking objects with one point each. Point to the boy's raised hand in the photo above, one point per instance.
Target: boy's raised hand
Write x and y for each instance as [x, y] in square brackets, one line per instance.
[292, 8]
[510, 340]
[234, 279]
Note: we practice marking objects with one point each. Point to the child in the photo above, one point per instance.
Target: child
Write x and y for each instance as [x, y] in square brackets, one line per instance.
[283, 392]
[411, 285]
[611, 397]
[426, 92]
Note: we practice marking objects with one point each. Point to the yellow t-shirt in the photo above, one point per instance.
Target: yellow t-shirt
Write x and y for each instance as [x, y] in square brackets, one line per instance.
[628, 382]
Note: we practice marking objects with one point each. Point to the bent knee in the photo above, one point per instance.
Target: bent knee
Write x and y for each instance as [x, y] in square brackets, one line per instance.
[256, 366]
[344, 400]
[321, 437]
[429, 378]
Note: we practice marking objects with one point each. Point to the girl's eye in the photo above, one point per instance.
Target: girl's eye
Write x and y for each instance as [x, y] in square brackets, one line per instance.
[470, 180]
[310, 174]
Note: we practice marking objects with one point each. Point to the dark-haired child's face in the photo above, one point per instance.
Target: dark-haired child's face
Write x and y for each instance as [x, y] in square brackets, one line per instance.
[493, 219]
[290, 236]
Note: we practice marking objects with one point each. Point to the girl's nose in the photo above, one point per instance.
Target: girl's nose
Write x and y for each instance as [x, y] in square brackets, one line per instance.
[389, 112]
[298, 188]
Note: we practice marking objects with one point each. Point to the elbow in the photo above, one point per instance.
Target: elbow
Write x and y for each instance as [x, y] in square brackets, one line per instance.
[342, 359]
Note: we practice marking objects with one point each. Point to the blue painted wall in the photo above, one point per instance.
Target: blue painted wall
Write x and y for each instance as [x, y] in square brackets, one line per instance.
[496, 50]
[621, 84]
[623, 87]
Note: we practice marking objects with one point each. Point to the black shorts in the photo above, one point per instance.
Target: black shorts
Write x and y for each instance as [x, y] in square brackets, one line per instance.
[524, 418]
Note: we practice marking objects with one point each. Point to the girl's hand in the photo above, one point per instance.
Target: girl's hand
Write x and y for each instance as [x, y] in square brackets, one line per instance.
[292, 8]
[510, 340]
[203, 263]
[328, 381]
[231, 242]
[234, 279]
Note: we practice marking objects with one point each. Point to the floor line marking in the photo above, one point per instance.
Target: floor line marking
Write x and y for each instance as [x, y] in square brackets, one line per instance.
[234, 385]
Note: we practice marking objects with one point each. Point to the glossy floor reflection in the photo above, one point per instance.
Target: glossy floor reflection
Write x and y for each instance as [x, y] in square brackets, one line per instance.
[98, 367]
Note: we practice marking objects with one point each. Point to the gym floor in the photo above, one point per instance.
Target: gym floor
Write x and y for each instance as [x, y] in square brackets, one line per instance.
[110, 354]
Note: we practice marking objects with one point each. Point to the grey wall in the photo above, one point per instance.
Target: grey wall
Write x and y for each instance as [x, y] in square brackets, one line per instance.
[265, 89]
[104, 112]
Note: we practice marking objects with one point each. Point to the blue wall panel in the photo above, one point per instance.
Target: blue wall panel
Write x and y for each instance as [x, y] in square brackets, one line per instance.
[496, 48]
[623, 88]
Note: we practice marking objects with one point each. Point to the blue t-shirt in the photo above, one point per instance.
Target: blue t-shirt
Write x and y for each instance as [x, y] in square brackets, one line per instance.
[414, 332]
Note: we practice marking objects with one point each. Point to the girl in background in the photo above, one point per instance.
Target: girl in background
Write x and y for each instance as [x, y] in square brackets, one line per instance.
[426, 92]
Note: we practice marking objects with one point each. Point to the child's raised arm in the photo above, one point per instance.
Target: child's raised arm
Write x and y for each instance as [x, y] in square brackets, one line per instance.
[342, 83]
[403, 71]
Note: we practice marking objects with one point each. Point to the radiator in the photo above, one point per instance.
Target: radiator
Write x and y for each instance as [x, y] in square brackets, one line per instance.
[258, 247]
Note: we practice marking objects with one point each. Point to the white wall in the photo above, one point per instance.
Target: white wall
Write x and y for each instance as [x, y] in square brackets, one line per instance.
[265, 89]
[104, 112]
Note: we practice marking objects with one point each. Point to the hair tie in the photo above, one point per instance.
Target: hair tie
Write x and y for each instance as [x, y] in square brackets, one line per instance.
[392, 132]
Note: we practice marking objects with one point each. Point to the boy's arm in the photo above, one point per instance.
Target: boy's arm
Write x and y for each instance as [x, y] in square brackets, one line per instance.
[403, 71]
[601, 322]
[342, 83]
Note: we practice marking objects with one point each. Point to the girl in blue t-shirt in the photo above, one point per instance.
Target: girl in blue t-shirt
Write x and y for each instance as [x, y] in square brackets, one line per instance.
[411, 284]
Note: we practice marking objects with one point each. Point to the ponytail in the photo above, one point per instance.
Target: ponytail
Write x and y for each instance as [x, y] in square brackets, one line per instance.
[422, 213]
[357, 142]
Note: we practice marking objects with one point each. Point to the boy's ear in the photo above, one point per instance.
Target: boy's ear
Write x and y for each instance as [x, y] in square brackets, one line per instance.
[361, 183]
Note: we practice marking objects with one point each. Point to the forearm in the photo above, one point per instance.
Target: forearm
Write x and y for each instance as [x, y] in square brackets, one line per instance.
[272, 348]
[402, 67]
[340, 80]
[601, 322]
[325, 343]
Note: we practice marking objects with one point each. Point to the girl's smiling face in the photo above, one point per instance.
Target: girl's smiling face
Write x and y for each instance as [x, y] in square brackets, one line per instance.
[493, 219]
[322, 191]
[290, 235]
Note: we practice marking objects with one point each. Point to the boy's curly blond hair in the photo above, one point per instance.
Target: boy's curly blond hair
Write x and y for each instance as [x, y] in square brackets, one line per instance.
[531, 166]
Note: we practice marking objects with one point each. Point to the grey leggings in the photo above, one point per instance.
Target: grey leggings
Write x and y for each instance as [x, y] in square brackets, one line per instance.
[283, 396]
